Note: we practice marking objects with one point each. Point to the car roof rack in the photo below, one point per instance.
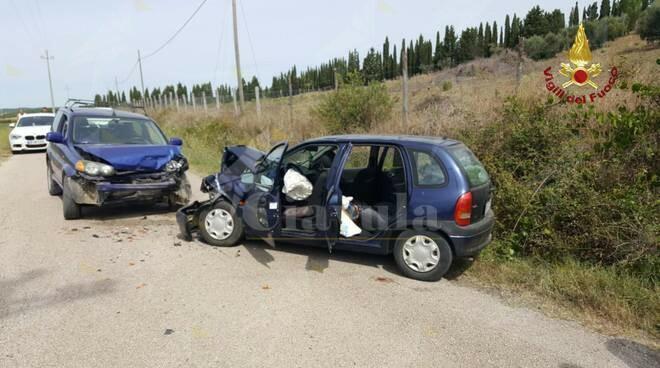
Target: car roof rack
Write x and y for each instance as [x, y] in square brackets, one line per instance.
[76, 102]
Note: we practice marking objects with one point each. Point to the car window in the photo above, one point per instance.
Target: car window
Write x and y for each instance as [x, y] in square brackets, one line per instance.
[32, 121]
[359, 158]
[101, 130]
[265, 177]
[475, 171]
[427, 170]
[317, 157]
[61, 127]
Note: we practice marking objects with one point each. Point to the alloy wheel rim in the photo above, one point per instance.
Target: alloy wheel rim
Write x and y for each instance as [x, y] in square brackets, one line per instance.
[219, 224]
[421, 253]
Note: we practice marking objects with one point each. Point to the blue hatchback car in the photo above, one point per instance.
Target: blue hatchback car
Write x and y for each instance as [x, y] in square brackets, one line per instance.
[99, 156]
[424, 199]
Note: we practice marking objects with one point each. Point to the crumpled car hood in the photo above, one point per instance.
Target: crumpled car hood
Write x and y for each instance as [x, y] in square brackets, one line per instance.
[133, 157]
[237, 158]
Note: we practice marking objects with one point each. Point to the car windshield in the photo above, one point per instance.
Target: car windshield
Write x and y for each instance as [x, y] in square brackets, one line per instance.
[94, 130]
[475, 171]
[30, 121]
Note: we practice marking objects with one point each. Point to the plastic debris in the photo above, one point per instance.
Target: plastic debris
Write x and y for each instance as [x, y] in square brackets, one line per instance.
[296, 186]
[348, 228]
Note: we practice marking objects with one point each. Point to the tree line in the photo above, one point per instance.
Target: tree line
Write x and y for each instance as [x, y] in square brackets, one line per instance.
[540, 34]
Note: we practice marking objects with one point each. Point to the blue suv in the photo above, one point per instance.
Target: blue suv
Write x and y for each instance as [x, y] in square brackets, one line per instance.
[424, 199]
[98, 156]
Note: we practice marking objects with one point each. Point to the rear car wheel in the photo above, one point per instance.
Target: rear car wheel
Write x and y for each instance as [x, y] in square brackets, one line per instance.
[422, 255]
[53, 188]
[220, 226]
[70, 208]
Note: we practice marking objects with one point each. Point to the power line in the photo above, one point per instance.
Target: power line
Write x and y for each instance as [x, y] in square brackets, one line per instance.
[130, 74]
[177, 32]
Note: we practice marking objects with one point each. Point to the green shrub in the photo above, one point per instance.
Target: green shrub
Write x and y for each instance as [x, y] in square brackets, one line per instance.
[580, 187]
[354, 107]
[649, 23]
[446, 85]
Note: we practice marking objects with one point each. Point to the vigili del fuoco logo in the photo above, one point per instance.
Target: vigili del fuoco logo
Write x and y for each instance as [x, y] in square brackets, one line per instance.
[580, 72]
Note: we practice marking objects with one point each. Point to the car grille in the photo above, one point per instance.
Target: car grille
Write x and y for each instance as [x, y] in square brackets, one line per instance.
[41, 137]
[29, 137]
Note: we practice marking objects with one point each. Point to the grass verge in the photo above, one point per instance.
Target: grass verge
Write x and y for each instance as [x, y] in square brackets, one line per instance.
[604, 298]
[5, 150]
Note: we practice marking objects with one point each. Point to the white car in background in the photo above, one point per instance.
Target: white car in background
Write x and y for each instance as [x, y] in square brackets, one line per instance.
[29, 133]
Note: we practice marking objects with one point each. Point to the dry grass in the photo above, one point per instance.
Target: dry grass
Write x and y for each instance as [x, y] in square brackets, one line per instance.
[5, 150]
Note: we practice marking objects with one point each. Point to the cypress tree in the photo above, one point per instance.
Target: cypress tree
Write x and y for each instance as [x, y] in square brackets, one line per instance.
[507, 32]
[605, 8]
[487, 40]
[494, 37]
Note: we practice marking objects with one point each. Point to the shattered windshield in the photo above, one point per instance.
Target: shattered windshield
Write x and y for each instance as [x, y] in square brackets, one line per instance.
[94, 130]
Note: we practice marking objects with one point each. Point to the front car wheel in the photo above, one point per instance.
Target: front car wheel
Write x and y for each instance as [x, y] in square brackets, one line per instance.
[219, 225]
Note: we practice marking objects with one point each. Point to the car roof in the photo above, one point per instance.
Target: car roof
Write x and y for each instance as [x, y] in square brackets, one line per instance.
[404, 140]
[38, 114]
[103, 112]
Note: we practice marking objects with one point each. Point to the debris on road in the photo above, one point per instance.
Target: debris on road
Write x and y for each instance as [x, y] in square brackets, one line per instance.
[141, 286]
[168, 331]
[385, 280]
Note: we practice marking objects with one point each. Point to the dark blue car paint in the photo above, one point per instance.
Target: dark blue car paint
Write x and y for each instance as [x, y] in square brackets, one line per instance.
[133, 157]
[464, 240]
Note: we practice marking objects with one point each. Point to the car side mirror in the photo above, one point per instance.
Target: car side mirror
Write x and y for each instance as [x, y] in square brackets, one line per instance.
[12, 125]
[176, 141]
[54, 137]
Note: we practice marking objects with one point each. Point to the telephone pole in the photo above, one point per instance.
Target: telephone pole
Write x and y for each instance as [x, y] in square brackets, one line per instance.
[141, 77]
[117, 91]
[238, 58]
[50, 80]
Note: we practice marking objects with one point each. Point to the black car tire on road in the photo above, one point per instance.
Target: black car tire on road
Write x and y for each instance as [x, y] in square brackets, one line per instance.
[436, 245]
[213, 237]
[53, 188]
[70, 208]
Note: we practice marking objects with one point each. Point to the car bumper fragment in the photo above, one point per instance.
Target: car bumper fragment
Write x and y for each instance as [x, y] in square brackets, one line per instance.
[86, 191]
[187, 218]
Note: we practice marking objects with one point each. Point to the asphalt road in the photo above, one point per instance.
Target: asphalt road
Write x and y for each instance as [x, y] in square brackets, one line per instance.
[118, 289]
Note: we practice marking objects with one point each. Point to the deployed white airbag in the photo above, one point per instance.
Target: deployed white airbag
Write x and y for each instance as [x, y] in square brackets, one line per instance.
[296, 186]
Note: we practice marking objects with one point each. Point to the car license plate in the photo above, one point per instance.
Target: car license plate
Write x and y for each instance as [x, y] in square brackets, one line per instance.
[487, 207]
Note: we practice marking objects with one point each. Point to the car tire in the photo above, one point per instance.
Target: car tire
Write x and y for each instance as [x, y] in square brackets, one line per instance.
[53, 188]
[226, 215]
[70, 208]
[435, 251]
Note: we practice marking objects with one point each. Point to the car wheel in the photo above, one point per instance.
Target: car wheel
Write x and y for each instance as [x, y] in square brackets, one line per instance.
[70, 208]
[220, 226]
[53, 188]
[422, 255]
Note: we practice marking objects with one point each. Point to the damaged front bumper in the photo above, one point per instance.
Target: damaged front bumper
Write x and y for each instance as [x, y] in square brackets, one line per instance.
[89, 190]
[187, 217]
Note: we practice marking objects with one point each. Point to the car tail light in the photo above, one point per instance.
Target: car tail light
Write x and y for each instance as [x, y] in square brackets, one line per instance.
[463, 210]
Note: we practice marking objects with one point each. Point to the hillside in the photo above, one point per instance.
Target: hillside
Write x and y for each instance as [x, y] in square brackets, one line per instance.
[477, 92]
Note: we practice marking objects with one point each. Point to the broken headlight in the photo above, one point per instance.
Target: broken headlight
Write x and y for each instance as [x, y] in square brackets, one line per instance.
[94, 168]
[174, 165]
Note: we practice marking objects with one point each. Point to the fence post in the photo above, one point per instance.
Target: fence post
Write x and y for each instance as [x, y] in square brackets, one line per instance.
[404, 67]
[206, 109]
[217, 100]
[290, 102]
[233, 96]
[194, 103]
[258, 101]
[176, 101]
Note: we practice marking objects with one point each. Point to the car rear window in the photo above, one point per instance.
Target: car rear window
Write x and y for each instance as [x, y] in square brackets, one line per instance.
[475, 171]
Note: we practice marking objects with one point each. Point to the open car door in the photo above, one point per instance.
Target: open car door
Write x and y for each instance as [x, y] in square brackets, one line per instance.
[333, 200]
[261, 210]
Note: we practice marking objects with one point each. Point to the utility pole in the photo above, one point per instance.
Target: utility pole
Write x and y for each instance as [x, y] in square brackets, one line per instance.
[48, 58]
[404, 68]
[117, 91]
[238, 57]
[141, 77]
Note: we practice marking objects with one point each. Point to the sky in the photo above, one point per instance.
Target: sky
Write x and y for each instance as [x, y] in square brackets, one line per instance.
[93, 42]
